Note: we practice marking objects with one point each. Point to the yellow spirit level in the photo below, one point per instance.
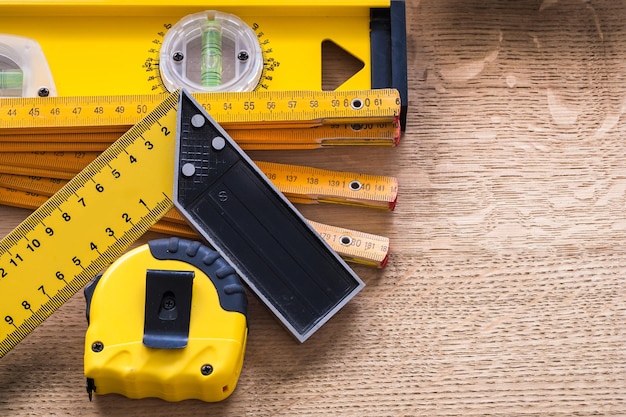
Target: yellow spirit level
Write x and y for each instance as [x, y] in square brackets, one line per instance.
[114, 47]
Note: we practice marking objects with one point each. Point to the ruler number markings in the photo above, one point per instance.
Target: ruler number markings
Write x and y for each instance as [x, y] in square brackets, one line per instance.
[78, 260]
[31, 244]
[256, 106]
[85, 225]
[356, 242]
[61, 109]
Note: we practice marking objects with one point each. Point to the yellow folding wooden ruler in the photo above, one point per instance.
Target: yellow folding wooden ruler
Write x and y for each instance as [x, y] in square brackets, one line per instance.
[352, 245]
[285, 138]
[109, 47]
[72, 123]
[257, 120]
[233, 110]
[43, 174]
[301, 184]
[90, 221]
[74, 120]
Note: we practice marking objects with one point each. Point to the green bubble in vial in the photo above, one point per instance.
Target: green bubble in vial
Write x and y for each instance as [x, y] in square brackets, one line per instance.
[11, 79]
[211, 67]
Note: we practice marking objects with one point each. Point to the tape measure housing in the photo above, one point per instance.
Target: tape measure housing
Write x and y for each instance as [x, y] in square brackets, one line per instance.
[166, 320]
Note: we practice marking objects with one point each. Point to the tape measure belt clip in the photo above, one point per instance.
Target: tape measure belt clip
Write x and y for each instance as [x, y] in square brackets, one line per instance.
[167, 308]
[187, 340]
[230, 291]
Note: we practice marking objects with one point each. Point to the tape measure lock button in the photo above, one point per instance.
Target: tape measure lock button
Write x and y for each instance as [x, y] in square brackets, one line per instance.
[211, 51]
[166, 320]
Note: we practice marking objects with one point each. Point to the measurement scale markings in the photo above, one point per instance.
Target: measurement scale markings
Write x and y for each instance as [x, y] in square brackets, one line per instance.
[173, 223]
[81, 206]
[362, 134]
[231, 110]
[301, 183]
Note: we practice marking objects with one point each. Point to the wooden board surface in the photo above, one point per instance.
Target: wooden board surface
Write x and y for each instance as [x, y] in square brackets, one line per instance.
[505, 291]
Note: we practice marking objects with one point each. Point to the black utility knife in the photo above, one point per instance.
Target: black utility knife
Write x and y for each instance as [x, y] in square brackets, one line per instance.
[232, 204]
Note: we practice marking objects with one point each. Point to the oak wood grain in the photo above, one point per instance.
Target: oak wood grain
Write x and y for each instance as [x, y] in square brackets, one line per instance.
[505, 291]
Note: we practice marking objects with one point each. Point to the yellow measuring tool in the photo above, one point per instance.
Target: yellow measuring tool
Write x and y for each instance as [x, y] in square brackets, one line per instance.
[169, 288]
[353, 245]
[256, 120]
[87, 224]
[56, 233]
[373, 134]
[260, 109]
[301, 184]
[134, 47]
[78, 114]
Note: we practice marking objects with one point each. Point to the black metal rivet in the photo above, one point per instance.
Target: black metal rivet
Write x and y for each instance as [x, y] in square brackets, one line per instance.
[169, 303]
[206, 370]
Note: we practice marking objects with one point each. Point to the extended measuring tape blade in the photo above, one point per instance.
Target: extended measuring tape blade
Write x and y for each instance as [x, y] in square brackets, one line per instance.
[86, 225]
[233, 205]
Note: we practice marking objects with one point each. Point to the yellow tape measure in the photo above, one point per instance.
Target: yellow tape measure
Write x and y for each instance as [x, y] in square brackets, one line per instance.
[259, 109]
[183, 326]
